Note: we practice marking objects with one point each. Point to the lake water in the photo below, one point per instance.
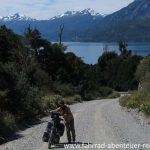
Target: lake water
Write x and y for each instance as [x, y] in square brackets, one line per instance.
[90, 52]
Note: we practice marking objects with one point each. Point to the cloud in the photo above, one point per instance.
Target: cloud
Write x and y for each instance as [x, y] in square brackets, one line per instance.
[43, 9]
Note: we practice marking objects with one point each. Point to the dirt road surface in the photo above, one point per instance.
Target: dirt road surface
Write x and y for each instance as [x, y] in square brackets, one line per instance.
[96, 122]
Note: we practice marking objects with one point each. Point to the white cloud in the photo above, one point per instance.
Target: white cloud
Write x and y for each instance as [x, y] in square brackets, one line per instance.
[43, 9]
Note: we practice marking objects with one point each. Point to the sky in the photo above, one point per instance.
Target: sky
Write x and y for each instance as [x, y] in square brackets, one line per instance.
[45, 9]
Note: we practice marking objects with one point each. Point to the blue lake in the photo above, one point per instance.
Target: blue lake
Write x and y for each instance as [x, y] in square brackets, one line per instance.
[90, 52]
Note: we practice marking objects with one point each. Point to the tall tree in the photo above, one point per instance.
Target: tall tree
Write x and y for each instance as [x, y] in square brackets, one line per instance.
[61, 29]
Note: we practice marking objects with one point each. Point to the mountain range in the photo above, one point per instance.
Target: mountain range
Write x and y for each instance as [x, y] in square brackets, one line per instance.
[74, 21]
[131, 23]
[16, 17]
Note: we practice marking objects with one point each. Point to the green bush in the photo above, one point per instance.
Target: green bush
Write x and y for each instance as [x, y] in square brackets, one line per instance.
[132, 104]
[143, 93]
[50, 101]
[129, 101]
[114, 94]
[143, 68]
[123, 101]
[7, 123]
[72, 99]
[69, 100]
[90, 96]
[77, 98]
[145, 108]
[32, 103]
[64, 89]
[105, 91]
[101, 92]
[140, 100]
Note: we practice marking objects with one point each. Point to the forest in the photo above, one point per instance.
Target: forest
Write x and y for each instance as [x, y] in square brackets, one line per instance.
[36, 73]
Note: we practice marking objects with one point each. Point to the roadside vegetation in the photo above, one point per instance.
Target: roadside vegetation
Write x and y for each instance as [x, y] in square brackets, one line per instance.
[141, 98]
[35, 74]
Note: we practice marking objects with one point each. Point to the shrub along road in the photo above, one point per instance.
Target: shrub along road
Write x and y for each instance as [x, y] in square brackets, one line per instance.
[97, 122]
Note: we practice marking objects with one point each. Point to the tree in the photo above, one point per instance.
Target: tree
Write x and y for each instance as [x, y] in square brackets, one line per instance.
[35, 40]
[22, 81]
[107, 67]
[60, 34]
[123, 49]
[8, 42]
[117, 71]
[143, 73]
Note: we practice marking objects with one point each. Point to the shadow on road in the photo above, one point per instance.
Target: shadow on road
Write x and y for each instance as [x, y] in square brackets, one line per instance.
[22, 127]
[9, 138]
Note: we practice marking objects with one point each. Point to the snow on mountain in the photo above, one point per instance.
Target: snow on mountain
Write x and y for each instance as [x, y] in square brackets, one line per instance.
[16, 17]
[87, 11]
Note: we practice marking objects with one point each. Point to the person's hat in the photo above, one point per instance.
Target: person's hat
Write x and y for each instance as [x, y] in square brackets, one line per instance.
[61, 103]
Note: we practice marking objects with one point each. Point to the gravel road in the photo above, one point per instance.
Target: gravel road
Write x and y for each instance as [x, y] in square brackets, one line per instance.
[97, 122]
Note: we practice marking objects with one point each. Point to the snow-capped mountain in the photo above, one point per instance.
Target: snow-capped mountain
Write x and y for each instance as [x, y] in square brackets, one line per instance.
[16, 17]
[87, 11]
[73, 21]
[131, 23]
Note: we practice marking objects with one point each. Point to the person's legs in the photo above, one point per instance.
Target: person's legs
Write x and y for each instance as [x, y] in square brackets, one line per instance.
[68, 132]
[73, 130]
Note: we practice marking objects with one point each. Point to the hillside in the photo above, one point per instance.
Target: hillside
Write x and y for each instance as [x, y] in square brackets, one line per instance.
[131, 23]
